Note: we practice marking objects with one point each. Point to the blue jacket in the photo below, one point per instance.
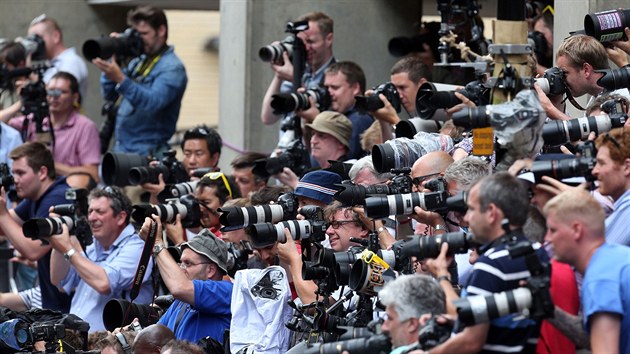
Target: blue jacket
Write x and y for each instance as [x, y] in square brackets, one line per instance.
[150, 104]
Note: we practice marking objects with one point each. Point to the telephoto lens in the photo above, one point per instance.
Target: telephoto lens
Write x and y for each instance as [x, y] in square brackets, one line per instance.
[350, 195]
[472, 117]
[266, 234]
[273, 52]
[423, 247]
[45, 227]
[561, 169]
[403, 204]
[615, 79]
[558, 132]
[481, 309]
[608, 25]
[234, 218]
[375, 344]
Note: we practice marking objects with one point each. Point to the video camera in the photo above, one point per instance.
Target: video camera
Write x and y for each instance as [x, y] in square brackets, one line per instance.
[312, 229]
[365, 104]
[186, 206]
[74, 215]
[233, 218]
[121, 169]
[350, 194]
[128, 45]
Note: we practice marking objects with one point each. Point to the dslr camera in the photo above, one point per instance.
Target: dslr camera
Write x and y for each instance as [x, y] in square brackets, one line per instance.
[128, 45]
[121, 169]
[299, 101]
[372, 103]
[312, 229]
[350, 194]
[233, 218]
[186, 206]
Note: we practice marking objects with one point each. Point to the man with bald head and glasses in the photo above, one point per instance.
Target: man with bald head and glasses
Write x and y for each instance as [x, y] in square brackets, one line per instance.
[612, 171]
[105, 269]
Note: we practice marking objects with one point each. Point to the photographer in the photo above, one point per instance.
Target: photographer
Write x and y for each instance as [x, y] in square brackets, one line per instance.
[151, 87]
[411, 301]
[61, 58]
[249, 180]
[202, 305]
[491, 201]
[576, 232]
[330, 138]
[106, 269]
[37, 184]
[12, 57]
[76, 141]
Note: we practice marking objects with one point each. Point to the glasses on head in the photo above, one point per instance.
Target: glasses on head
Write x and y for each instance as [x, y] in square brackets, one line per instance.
[186, 265]
[55, 92]
[608, 137]
[335, 224]
[38, 19]
[216, 175]
[417, 181]
[198, 131]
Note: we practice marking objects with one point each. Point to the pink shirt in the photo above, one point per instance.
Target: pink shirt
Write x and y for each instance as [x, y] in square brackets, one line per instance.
[76, 142]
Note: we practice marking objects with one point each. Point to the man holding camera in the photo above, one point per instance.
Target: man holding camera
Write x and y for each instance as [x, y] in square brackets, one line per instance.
[151, 88]
[105, 269]
[410, 302]
[575, 222]
[203, 299]
[497, 210]
[35, 182]
[61, 58]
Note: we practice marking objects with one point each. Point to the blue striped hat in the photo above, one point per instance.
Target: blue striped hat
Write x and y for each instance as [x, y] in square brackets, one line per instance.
[318, 185]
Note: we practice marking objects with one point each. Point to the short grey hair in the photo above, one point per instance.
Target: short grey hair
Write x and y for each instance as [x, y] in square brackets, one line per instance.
[367, 163]
[414, 295]
[467, 172]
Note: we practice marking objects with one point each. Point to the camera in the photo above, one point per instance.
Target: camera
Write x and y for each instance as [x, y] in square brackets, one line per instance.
[365, 104]
[615, 79]
[177, 190]
[339, 262]
[552, 83]
[608, 25]
[171, 169]
[558, 132]
[298, 101]
[423, 247]
[350, 194]
[312, 229]
[119, 313]
[581, 166]
[34, 46]
[115, 167]
[409, 128]
[74, 215]
[128, 45]
[295, 158]
[6, 180]
[429, 99]
[18, 334]
[186, 206]
[403, 204]
[233, 218]
[403, 152]
[273, 52]
[372, 344]
[458, 202]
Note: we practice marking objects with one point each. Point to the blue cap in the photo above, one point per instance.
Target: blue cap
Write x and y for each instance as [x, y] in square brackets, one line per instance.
[319, 185]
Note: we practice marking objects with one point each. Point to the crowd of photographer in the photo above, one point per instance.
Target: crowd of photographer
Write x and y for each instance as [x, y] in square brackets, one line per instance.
[382, 234]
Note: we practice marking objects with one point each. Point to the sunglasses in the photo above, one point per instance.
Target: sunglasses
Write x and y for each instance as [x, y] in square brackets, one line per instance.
[215, 176]
[198, 131]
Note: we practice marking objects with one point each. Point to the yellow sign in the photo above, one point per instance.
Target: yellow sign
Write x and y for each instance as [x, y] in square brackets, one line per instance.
[483, 141]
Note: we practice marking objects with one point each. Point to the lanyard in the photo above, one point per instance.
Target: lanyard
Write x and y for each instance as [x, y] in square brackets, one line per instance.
[144, 69]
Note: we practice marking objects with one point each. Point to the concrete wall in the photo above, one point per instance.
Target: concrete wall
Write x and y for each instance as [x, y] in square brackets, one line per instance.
[361, 33]
[78, 22]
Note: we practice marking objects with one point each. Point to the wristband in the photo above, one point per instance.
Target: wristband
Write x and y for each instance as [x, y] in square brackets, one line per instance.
[440, 227]
[69, 254]
[443, 277]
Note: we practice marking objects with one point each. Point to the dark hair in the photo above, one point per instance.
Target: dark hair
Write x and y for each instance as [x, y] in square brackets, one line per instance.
[353, 72]
[152, 15]
[507, 193]
[267, 194]
[348, 212]
[37, 155]
[13, 53]
[211, 136]
[414, 67]
[221, 190]
[179, 346]
[74, 83]
[324, 21]
[248, 160]
[119, 201]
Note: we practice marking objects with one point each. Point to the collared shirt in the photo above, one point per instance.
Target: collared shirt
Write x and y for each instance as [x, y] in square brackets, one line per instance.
[120, 262]
[617, 222]
[70, 62]
[150, 105]
[77, 141]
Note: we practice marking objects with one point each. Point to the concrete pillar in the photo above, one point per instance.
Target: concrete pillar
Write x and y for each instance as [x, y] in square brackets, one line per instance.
[361, 32]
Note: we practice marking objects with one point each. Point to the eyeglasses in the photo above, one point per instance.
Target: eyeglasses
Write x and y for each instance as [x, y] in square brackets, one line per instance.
[216, 175]
[417, 181]
[56, 92]
[335, 224]
[608, 137]
[186, 265]
[38, 19]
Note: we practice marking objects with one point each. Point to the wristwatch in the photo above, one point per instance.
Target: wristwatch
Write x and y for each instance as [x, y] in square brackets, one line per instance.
[157, 249]
[69, 254]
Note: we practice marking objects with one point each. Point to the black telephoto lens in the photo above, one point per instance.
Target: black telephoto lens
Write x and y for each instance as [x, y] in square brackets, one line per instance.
[118, 313]
[472, 117]
[374, 344]
[615, 79]
[608, 25]
[424, 247]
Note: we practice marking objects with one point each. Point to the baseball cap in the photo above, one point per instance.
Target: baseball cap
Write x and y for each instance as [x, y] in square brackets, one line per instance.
[210, 246]
[335, 124]
[319, 185]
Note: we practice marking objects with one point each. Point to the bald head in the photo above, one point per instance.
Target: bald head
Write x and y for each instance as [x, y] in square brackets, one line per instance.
[152, 339]
[433, 162]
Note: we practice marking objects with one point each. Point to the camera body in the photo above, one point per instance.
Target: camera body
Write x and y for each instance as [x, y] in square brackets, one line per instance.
[350, 194]
[171, 169]
[295, 158]
[365, 104]
[298, 101]
[186, 206]
[552, 83]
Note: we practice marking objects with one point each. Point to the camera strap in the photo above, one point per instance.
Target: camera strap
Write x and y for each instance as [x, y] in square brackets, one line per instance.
[573, 101]
[143, 69]
[123, 343]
